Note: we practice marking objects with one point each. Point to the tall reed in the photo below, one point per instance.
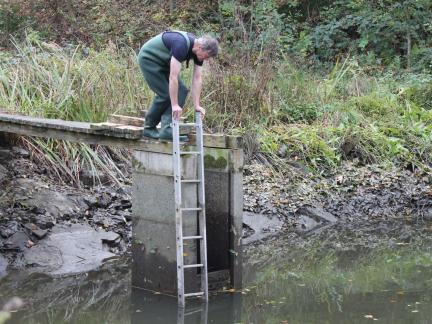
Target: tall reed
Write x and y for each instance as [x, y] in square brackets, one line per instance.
[284, 110]
[75, 83]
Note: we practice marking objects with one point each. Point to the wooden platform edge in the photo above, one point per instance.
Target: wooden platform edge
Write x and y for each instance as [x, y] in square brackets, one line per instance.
[54, 127]
[126, 120]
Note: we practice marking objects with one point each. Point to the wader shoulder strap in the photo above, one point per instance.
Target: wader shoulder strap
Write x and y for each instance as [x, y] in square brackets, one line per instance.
[188, 43]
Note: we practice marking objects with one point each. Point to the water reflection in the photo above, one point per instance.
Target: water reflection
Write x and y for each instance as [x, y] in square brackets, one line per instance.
[202, 312]
[152, 308]
[391, 286]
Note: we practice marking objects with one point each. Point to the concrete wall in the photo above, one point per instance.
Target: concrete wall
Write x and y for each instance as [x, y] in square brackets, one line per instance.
[153, 248]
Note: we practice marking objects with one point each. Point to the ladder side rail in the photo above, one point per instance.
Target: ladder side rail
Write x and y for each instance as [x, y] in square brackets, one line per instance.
[204, 314]
[180, 315]
[201, 202]
[178, 211]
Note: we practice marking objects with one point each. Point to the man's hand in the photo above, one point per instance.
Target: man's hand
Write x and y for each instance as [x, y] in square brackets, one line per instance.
[176, 112]
[201, 110]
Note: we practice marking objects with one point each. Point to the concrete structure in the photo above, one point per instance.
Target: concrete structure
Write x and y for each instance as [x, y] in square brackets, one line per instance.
[154, 251]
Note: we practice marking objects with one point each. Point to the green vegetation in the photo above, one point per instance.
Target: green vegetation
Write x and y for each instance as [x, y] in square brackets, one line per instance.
[211, 162]
[318, 82]
[72, 84]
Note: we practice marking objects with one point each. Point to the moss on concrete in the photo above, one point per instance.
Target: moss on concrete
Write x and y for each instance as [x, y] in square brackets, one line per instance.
[215, 163]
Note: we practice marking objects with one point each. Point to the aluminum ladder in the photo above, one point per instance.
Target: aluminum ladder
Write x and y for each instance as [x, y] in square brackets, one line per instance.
[190, 210]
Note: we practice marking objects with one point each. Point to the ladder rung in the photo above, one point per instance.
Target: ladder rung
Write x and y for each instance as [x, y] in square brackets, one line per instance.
[188, 124]
[191, 181]
[192, 237]
[191, 209]
[194, 294]
[193, 312]
[189, 152]
[199, 265]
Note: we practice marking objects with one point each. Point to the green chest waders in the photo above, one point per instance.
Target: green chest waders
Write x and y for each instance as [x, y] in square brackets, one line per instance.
[154, 61]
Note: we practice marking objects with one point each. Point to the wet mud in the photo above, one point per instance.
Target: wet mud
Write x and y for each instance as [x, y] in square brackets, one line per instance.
[357, 207]
[350, 213]
[56, 229]
[74, 241]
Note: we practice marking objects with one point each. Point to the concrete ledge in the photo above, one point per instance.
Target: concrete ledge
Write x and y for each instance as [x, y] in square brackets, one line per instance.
[162, 164]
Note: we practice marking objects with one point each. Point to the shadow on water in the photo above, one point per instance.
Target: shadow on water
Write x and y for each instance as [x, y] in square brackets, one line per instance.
[391, 285]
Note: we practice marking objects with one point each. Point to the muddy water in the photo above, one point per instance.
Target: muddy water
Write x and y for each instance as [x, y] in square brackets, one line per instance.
[302, 285]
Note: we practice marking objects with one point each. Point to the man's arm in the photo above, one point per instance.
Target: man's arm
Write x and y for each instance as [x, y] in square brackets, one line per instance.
[175, 67]
[196, 88]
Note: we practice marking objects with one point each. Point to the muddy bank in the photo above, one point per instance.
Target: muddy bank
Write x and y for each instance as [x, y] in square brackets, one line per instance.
[359, 207]
[56, 229]
[68, 244]
[356, 210]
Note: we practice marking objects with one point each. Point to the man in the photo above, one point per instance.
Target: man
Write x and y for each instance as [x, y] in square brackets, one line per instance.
[160, 61]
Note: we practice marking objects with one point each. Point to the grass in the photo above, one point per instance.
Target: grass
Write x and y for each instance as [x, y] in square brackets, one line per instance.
[75, 83]
[347, 114]
[44, 80]
[284, 111]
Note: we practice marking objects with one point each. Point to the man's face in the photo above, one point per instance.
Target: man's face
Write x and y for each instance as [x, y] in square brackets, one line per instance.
[201, 54]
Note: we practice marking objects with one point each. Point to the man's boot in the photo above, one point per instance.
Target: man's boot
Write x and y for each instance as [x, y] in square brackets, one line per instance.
[150, 129]
[167, 134]
[151, 132]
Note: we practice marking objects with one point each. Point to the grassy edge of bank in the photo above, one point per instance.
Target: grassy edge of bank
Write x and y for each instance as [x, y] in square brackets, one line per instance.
[285, 111]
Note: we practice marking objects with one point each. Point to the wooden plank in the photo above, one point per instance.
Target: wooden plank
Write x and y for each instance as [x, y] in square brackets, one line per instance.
[114, 127]
[73, 136]
[129, 131]
[118, 130]
[126, 120]
[73, 126]
[76, 131]
[103, 125]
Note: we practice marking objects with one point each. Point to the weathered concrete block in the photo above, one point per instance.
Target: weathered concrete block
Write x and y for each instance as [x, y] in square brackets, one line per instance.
[154, 232]
[154, 235]
[154, 255]
[161, 164]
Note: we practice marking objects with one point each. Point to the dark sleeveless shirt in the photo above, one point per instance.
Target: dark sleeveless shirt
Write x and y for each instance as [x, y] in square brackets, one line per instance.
[177, 45]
